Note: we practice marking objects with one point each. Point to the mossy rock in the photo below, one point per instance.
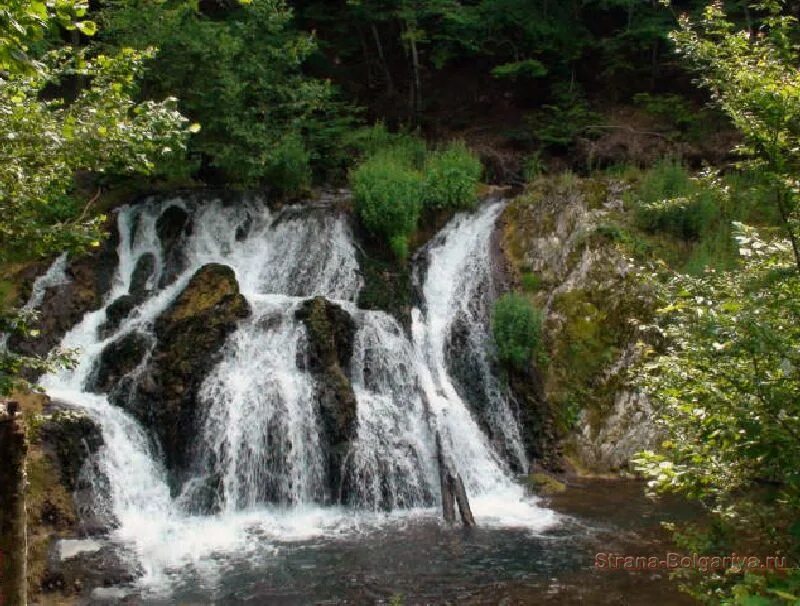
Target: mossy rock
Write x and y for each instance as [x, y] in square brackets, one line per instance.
[543, 483]
[190, 335]
[331, 332]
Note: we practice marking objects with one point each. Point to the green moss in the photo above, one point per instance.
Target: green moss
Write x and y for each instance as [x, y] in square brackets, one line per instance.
[207, 289]
[542, 483]
[531, 282]
[595, 192]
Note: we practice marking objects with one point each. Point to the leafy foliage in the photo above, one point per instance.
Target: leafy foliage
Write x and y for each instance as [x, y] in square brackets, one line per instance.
[25, 23]
[388, 197]
[399, 177]
[451, 177]
[45, 142]
[668, 200]
[239, 74]
[12, 364]
[727, 390]
[517, 330]
[754, 80]
[557, 124]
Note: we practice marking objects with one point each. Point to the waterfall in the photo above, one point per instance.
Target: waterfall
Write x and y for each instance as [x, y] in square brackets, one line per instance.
[259, 439]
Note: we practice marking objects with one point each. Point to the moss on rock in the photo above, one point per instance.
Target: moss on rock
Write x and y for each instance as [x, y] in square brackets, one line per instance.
[190, 335]
[562, 231]
[331, 331]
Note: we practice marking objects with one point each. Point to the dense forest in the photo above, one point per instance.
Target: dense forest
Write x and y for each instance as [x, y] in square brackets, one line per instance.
[418, 107]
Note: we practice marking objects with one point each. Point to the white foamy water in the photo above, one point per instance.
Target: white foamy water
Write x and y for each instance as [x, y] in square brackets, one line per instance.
[456, 287]
[260, 434]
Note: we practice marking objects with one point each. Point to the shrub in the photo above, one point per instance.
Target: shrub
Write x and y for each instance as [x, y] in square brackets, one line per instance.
[387, 194]
[407, 149]
[451, 177]
[289, 168]
[669, 201]
[517, 330]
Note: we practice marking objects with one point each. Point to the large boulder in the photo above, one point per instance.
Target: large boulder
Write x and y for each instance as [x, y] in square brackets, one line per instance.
[331, 331]
[190, 335]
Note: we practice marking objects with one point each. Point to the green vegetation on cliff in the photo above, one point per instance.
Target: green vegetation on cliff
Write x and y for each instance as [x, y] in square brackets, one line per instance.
[517, 328]
[399, 179]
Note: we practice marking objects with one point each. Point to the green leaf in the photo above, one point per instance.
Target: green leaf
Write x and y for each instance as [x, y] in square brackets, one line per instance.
[87, 28]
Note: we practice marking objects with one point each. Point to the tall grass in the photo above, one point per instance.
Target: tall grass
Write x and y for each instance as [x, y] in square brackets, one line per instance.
[388, 198]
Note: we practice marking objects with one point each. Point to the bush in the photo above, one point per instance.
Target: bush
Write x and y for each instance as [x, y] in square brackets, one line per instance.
[669, 201]
[517, 330]
[407, 149]
[387, 194]
[289, 168]
[451, 177]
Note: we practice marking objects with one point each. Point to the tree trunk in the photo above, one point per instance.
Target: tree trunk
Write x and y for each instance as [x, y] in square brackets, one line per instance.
[385, 66]
[13, 536]
[445, 481]
[453, 491]
[417, 84]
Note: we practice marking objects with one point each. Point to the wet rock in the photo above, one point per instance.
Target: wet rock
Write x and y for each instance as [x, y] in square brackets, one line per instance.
[172, 227]
[90, 278]
[118, 359]
[74, 437]
[77, 568]
[331, 331]
[145, 267]
[543, 440]
[120, 309]
[116, 312]
[190, 335]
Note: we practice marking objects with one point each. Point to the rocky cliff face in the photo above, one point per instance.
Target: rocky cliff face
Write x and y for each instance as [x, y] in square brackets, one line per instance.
[61, 501]
[561, 245]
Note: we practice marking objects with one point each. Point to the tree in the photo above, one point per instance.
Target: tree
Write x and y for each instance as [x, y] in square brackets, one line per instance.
[238, 72]
[46, 142]
[753, 78]
[726, 389]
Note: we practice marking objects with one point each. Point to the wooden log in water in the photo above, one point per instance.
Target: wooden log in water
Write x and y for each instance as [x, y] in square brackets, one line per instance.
[453, 491]
[463, 502]
[446, 482]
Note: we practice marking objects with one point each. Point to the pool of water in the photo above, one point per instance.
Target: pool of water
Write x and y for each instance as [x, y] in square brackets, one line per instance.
[417, 560]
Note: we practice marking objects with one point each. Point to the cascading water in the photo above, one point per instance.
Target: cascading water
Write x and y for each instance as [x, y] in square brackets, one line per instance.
[456, 289]
[260, 431]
